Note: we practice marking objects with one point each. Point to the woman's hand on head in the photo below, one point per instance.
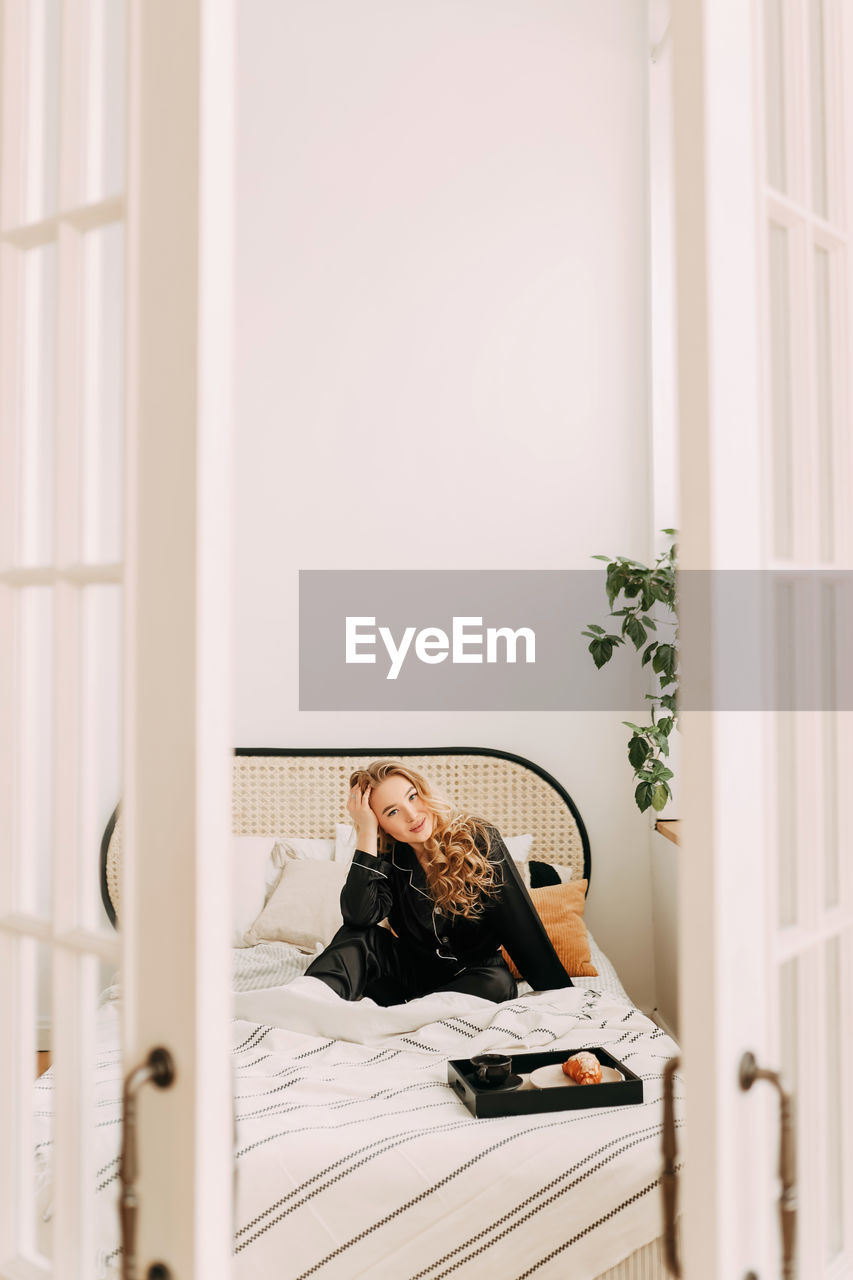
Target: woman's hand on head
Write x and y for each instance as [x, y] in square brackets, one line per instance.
[364, 819]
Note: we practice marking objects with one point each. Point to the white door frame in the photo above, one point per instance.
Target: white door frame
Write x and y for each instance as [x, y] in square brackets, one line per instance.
[735, 499]
[71, 104]
[178, 739]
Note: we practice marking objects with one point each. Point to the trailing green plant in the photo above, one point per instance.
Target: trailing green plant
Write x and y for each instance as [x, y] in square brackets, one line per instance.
[640, 590]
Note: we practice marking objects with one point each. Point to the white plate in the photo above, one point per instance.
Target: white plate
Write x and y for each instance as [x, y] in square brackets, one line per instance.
[553, 1076]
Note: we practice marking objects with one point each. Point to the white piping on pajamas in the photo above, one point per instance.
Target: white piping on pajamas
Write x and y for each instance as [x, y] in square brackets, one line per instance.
[372, 870]
[411, 873]
[430, 898]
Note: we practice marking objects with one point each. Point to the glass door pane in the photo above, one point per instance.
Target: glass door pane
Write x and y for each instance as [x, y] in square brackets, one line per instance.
[774, 81]
[826, 460]
[37, 381]
[817, 95]
[782, 431]
[42, 109]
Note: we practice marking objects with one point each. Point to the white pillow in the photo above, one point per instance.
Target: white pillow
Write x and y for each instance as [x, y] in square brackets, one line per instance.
[344, 842]
[254, 873]
[519, 846]
[305, 906]
[251, 864]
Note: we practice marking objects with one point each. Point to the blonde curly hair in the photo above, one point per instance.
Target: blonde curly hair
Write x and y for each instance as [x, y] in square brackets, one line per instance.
[458, 871]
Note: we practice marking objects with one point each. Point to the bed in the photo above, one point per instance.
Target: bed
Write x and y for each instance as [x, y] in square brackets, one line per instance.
[354, 1157]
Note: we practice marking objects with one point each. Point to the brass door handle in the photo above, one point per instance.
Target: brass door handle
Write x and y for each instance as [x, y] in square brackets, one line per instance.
[669, 1177]
[748, 1073]
[159, 1069]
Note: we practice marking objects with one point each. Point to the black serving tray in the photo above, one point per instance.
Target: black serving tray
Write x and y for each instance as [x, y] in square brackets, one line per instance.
[527, 1100]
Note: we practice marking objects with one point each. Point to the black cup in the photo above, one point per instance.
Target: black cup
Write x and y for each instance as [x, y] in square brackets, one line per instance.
[492, 1069]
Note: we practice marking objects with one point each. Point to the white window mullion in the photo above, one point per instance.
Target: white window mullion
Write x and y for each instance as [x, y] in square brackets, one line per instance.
[841, 394]
[12, 149]
[72, 1029]
[72, 145]
[71, 1089]
[846, 1125]
[94, 107]
[67, 475]
[75, 988]
[32, 853]
[13, 84]
[836, 70]
[34, 192]
[26, 983]
[804, 415]
[9, 403]
[9, 1092]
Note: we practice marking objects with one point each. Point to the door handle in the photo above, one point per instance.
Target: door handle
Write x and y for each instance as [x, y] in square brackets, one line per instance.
[669, 1177]
[159, 1069]
[748, 1073]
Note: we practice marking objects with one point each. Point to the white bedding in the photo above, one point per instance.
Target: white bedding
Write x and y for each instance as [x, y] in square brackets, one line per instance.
[356, 1159]
[271, 964]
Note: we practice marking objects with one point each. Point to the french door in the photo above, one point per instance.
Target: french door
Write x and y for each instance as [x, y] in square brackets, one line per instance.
[764, 199]
[115, 551]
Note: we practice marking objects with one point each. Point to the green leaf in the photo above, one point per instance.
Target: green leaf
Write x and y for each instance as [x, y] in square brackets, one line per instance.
[643, 796]
[607, 558]
[615, 582]
[664, 660]
[657, 770]
[632, 589]
[671, 532]
[599, 631]
[659, 798]
[602, 651]
[650, 622]
[635, 727]
[638, 750]
[668, 701]
[665, 725]
[634, 629]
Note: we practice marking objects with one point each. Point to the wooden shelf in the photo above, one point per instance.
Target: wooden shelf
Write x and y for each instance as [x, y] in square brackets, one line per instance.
[669, 827]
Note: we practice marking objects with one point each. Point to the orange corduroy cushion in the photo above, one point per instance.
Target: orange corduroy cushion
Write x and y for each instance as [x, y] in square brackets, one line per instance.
[561, 908]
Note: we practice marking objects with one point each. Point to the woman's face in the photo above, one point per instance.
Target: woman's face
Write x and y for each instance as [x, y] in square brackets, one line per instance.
[401, 811]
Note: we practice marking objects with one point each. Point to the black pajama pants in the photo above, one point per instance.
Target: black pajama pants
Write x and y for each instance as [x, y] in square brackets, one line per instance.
[373, 962]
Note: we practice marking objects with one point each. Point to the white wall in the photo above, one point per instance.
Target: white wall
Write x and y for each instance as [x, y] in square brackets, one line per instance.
[443, 348]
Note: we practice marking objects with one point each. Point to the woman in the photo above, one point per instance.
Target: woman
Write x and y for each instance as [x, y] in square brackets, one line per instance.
[451, 894]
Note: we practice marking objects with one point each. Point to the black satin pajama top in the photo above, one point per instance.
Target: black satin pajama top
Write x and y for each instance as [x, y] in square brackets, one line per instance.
[394, 886]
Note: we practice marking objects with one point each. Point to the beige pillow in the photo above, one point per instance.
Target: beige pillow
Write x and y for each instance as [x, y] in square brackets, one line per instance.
[255, 869]
[305, 906]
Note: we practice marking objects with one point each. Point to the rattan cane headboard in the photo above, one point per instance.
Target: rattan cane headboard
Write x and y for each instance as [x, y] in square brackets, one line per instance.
[302, 792]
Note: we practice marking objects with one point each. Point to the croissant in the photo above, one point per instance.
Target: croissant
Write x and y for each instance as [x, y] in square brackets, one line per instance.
[583, 1067]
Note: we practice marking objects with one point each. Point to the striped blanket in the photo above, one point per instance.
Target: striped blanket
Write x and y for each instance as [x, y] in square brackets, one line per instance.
[355, 1158]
